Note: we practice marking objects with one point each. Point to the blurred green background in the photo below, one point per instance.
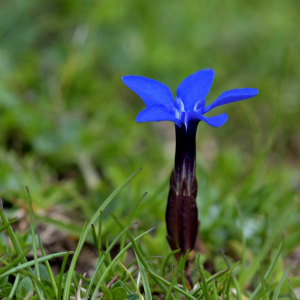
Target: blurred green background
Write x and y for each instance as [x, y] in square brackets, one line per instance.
[67, 121]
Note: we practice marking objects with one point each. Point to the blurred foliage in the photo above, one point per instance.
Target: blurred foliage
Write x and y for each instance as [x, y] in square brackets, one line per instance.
[68, 127]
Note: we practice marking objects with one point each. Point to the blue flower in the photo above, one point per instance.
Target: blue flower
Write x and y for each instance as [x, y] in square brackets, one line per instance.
[189, 104]
[186, 112]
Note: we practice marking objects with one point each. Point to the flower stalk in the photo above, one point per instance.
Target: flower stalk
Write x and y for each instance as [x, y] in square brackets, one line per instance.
[182, 213]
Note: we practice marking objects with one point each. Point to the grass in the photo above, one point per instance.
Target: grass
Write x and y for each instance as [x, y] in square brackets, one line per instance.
[151, 282]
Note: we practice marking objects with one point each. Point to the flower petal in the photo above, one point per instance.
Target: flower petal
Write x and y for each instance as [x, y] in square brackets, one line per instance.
[151, 91]
[156, 113]
[215, 121]
[195, 87]
[232, 96]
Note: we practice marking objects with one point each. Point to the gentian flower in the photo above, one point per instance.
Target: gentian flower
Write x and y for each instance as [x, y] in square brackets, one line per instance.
[186, 111]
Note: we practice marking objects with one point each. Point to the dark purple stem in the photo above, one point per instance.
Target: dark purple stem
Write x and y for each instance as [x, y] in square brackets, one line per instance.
[185, 155]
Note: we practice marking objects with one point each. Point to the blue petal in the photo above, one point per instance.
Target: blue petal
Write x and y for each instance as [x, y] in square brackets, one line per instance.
[151, 91]
[232, 96]
[156, 113]
[195, 87]
[215, 121]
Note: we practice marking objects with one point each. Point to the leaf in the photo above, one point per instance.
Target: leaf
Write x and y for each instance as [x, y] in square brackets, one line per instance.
[7, 288]
[3, 280]
[119, 293]
[106, 292]
[295, 281]
[132, 297]
[25, 287]
[119, 283]
[50, 292]
[43, 274]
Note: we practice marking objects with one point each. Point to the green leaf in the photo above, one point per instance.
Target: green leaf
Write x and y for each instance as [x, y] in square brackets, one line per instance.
[119, 283]
[295, 281]
[7, 288]
[107, 294]
[43, 274]
[3, 280]
[119, 293]
[25, 287]
[132, 297]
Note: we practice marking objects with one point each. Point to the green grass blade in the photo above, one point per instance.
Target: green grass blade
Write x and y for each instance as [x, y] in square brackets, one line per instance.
[31, 263]
[235, 282]
[49, 271]
[268, 273]
[134, 284]
[173, 283]
[243, 264]
[263, 283]
[85, 233]
[135, 208]
[112, 264]
[99, 236]
[279, 286]
[144, 279]
[102, 259]
[203, 279]
[95, 238]
[33, 235]
[8, 266]
[96, 241]
[62, 269]
[215, 276]
[166, 261]
[13, 290]
[264, 292]
[292, 294]
[3, 227]
[11, 234]
[122, 244]
[181, 268]
[70, 228]
[162, 280]
[228, 289]
[16, 244]
[146, 265]
[222, 283]
[215, 291]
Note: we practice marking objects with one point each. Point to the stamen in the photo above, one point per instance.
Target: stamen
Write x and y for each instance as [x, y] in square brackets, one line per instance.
[199, 105]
